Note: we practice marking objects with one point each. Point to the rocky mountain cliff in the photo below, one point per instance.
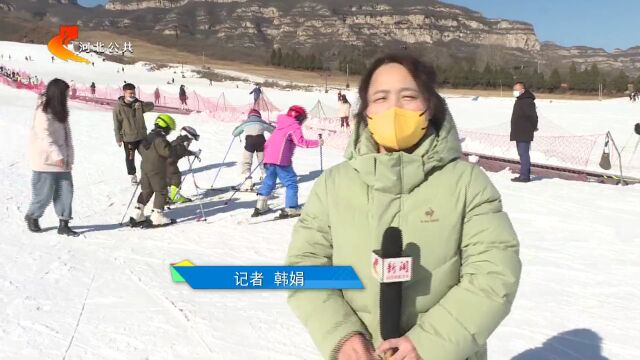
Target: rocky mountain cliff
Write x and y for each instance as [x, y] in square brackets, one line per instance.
[308, 23]
[247, 30]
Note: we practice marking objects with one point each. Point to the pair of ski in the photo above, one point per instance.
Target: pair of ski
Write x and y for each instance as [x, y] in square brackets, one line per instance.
[147, 224]
[258, 218]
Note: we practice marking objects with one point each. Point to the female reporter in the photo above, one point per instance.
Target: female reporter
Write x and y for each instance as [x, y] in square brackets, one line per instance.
[403, 169]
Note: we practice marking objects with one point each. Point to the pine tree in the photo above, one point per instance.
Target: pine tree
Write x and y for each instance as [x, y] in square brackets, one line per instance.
[311, 61]
[555, 80]
[504, 77]
[487, 76]
[573, 75]
[594, 78]
[318, 64]
[298, 62]
[278, 61]
[536, 80]
[273, 57]
[620, 82]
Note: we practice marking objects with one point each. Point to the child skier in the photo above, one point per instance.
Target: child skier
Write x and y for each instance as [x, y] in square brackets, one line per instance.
[253, 128]
[180, 149]
[278, 161]
[154, 150]
[182, 95]
[344, 107]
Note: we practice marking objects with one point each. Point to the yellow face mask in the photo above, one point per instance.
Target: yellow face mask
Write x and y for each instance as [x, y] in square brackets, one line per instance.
[398, 129]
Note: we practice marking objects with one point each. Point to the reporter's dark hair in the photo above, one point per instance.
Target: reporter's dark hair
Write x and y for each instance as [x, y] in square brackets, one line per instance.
[55, 100]
[422, 73]
[128, 86]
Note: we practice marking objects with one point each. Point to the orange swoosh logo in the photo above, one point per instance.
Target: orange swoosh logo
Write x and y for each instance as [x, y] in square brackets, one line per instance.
[66, 34]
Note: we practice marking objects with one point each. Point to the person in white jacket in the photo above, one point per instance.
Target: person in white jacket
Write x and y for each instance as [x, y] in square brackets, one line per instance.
[253, 128]
[52, 156]
[344, 107]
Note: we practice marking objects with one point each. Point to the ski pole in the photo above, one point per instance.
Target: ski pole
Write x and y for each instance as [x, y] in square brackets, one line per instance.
[204, 218]
[222, 163]
[130, 201]
[633, 155]
[242, 183]
[320, 137]
[191, 161]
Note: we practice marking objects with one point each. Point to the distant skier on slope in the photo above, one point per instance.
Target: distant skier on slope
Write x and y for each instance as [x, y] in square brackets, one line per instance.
[257, 92]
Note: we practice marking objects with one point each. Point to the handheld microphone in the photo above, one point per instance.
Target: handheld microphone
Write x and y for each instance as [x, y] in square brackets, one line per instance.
[390, 292]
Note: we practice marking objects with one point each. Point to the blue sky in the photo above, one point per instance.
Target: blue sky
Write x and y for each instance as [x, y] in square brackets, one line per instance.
[606, 24]
[91, 3]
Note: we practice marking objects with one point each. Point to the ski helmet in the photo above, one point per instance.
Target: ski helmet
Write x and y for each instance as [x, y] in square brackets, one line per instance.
[637, 128]
[165, 121]
[254, 112]
[190, 132]
[297, 112]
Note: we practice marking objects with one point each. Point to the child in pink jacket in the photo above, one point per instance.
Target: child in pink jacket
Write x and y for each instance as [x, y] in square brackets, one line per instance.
[278, 154]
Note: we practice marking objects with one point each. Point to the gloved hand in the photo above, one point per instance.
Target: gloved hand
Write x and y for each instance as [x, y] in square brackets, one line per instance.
[196, 154]
[182, 140]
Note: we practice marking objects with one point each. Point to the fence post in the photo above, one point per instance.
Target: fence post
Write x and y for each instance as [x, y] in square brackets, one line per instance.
[622, 183]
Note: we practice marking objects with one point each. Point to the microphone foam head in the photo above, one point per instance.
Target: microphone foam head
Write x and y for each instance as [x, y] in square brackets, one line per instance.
[391, 243]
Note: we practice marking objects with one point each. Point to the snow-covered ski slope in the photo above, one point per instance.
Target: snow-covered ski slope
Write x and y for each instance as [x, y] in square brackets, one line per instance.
[108, 294]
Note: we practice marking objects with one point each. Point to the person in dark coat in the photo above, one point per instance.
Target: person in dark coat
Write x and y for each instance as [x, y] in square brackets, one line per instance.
[182, 94]
[524, 122]
[156, 95]
[257, 92]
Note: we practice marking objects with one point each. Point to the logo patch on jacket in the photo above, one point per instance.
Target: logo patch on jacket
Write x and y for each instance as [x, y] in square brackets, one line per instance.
[430, 216]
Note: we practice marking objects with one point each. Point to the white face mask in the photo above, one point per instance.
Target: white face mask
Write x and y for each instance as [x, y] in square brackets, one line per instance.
[516, 93]
[130, 99]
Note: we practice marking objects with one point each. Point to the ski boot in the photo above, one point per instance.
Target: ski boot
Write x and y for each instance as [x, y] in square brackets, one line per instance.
[137, 217]
[175, 196]
[261, 206]
[289, 213]
[158, 219]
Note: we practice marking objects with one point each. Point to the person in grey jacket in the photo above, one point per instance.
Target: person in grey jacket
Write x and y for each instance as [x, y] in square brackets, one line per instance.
[253, 128]
[52, 157]
[129, 126]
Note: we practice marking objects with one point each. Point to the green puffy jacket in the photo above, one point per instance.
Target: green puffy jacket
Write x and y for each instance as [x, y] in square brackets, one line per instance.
[465, 251]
